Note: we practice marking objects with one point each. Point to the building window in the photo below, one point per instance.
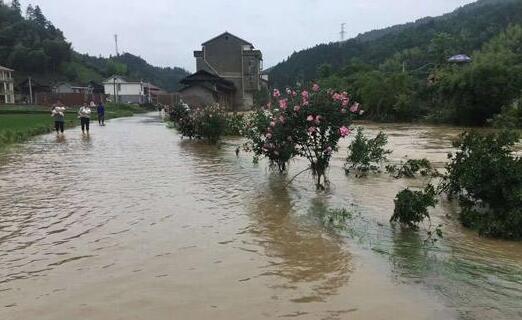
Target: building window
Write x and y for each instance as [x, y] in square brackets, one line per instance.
[119, 87]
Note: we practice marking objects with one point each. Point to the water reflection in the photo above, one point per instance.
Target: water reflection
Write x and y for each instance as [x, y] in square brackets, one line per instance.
[300, 253]
[60, 138]
[477, 282]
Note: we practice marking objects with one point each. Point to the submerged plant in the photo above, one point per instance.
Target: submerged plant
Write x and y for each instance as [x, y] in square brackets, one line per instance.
[411, 207]
[411, 167]
[366, 154]
[336, 218]
[202, 123]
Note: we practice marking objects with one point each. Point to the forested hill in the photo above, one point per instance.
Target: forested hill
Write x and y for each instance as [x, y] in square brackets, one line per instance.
[469, 27]
[32, 45]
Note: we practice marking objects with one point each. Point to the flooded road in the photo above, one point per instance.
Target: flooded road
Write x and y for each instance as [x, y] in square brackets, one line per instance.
[134, 223]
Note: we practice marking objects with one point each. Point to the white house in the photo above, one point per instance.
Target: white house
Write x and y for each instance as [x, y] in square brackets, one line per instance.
[69, 88]
[121, 90]
[6, 85]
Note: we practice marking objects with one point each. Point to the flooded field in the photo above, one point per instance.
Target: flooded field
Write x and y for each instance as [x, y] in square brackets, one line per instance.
[134, 223]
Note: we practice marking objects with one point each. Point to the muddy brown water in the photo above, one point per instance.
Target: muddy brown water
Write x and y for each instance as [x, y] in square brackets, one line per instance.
[134, 223]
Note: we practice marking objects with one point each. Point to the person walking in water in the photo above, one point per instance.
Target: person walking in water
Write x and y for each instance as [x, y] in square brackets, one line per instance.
[101, 114]
[58, 114]
[85, 117]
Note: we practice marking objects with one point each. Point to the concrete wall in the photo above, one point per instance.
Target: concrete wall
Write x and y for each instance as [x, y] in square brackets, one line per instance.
[124, 89]
[224, 54]
[6, 87]
[251, 70]
[130, 99]
[63, 88]
[197, 96]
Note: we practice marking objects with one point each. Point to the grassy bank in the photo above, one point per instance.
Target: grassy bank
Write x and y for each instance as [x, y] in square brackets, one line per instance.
[19, 123]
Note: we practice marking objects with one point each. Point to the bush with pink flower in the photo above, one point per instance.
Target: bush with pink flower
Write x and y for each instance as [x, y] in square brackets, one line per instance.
[305, 123]
[207, 123]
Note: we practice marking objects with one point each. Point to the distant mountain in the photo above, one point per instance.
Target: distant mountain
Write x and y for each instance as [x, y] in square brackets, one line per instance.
[471, 26]
[30, 44]
[136, 68]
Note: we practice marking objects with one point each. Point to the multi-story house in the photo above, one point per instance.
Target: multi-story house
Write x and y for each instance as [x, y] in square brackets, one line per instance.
[6, 85]
[228, 69]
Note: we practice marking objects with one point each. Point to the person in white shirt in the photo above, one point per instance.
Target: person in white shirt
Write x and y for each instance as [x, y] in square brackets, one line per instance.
[85, 117]
[58, 114]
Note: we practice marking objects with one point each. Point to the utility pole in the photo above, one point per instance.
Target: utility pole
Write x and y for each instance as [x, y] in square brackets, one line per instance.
[116, 45]
[343, 32]
[114, 87]
[150, 98]
[30, 91]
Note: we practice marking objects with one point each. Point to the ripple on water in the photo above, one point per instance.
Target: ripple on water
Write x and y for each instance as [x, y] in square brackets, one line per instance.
[135, 200]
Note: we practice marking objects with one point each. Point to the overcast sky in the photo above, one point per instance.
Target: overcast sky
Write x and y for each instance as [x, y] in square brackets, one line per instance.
[165, 32]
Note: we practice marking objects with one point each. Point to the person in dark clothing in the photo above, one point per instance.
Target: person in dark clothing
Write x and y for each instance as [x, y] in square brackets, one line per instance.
[101, 114]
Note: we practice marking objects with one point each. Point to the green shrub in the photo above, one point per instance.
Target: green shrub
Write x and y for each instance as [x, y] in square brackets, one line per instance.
[178, 112]
[235, 124]
[411, 207]
[202, 123]
[510, 117]
[336, 218]
[411, 167]
[486, 177]
[366, 154]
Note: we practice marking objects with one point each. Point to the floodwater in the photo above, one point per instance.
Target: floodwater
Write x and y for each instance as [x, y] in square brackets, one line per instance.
[135, 223]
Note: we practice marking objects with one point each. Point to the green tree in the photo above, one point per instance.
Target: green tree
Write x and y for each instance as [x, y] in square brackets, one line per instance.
[324, 70]
[15, 5]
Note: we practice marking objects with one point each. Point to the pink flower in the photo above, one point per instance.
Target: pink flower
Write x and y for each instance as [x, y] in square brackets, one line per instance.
[337, 97]
[272, 124]
[344, 131]
[283, 104]
[328, 150]
[354, 108]
[294, 94]
[305, 95]
[297, 108]
[268, 135]
[346, 102]
[316, 87]
[305, 102]
[277, 93]
[310, 118]
[312, 129]
[317, 120]
[282, 119]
